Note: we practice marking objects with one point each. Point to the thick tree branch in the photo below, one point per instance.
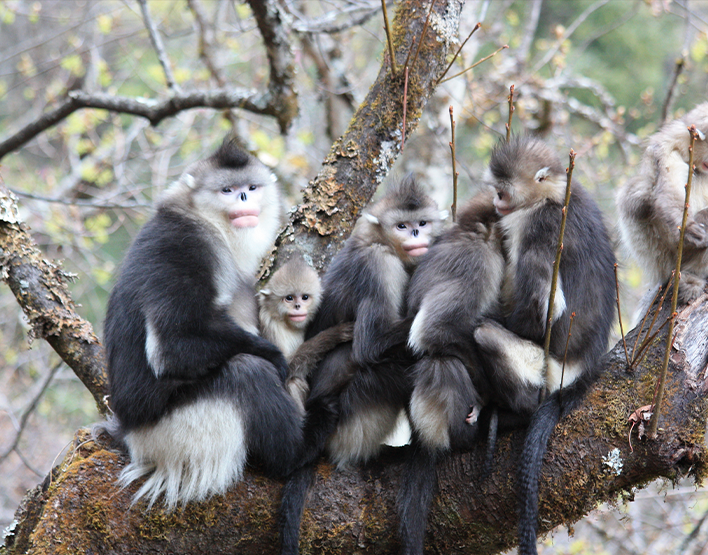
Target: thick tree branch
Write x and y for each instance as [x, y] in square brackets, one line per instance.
[360, 159]
[589, 461]
[40, 288]
[152, 110]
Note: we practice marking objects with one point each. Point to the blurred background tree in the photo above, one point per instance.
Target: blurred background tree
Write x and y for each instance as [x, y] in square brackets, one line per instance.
[597, 76]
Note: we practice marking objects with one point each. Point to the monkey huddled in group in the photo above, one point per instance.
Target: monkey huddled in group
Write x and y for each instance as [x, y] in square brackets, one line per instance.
[194, 389]
[480, 300]
[355, 399]
[651, 206]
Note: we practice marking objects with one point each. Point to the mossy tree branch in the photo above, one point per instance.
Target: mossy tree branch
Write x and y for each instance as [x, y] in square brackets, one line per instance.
[589, 461]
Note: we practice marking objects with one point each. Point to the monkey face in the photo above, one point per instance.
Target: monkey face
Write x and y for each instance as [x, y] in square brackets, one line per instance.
[243, 204]
[413, 237]
[295, 308]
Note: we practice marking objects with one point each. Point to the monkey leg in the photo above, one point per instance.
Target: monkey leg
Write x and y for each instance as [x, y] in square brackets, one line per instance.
[274, 423]
[691, 287]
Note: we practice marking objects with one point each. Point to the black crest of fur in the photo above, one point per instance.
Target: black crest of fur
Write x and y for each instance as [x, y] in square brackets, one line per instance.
[504, 162]
[230, 155]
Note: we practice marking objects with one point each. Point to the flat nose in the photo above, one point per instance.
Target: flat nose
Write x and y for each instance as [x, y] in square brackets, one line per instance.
[243, 197]
[415, 233]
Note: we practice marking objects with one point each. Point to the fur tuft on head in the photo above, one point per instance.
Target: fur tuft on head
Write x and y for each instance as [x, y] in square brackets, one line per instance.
[405, 200]
[528, 170]
[230, 154]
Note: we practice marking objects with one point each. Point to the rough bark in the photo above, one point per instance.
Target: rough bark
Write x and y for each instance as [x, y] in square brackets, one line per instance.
[359, 160]
[40, 288]
[79, 509]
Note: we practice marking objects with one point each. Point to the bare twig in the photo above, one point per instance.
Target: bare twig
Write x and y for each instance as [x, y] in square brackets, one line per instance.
[389, 39]
[477, 26]
[152, 110]
[474, 65]
[556, 268]
[654, 422]
[644, 347]
[619, 315]
[510, 98]
[158, 45]
[653, 320]
[205, 41]
[83, 203]
[455, 173]
[405, 106]
[666, 108]
[422, 35]
[29, 410]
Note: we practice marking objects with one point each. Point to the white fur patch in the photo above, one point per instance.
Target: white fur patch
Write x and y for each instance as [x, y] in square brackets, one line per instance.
[571, 373]
[416, 336]
[401, 434]
[153, 350]
[521, 355]
[358, 439]
[429, 417]
[197, 451]
[559, 305]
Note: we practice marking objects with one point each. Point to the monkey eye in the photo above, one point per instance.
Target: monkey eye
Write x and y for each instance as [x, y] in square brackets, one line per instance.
[422, 223]
[401, 226]
[305, 297]
[227, 190]
[289, 298]
[252, 187]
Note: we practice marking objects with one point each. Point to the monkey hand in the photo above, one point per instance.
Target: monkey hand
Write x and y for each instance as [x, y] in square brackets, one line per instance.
[696, 235]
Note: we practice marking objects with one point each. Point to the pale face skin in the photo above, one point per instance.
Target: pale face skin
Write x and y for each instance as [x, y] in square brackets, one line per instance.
[296, 307]
[243, 204]
[414, 237]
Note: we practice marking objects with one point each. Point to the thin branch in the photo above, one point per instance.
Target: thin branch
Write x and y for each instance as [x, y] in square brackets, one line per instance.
[29, 410]
[474, 65]
[556, 268]
[422, 35]
[455, 173]
[619, 315]
[405, 106]
[477, 26]
[152, 110]
[666, 108]
[326, 24]
[653, 320]
[159, 47]
[654, 422]
[529, 31]
[510, 98]
[83, 203]
[389, 39]
[205, 41]
[568, 32]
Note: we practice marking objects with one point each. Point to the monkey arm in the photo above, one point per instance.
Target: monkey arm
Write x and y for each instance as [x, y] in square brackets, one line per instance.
[534, 270]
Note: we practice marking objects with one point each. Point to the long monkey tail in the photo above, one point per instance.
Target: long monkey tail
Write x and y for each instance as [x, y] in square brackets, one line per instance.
[544, 420]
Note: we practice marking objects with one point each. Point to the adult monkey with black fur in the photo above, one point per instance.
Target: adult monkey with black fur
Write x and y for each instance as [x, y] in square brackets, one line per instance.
[355, 399]
[504, 363]
[193, 387]
[651, 207]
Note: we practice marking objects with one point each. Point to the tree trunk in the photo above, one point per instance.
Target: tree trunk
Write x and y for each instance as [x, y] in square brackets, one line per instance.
[79, 509]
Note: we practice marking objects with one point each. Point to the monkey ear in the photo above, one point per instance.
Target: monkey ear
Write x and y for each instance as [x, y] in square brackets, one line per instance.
[189, 180]
[263, 293]
[701, 135]
[444, 214]
[370, 218]
[542, 174]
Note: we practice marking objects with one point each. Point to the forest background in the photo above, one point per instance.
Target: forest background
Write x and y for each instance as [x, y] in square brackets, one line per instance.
[594, 76]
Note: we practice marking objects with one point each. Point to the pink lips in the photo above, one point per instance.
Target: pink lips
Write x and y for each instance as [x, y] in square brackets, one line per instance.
[244, 218]
[416, 250]
[298, 317]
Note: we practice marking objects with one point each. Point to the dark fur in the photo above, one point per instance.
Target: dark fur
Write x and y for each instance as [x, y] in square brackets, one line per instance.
[168, 277]
[462, 368]
[364, 284]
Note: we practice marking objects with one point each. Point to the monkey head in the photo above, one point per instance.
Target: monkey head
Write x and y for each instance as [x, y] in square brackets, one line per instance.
[230, 185]
[405, 219]
[524, 172]
[293, 294]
